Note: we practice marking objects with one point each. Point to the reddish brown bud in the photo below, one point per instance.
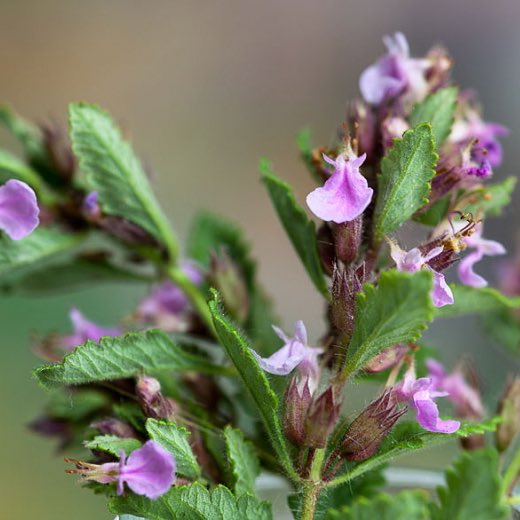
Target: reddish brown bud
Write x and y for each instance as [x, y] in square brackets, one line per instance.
[509, 411]
[321, 418]
[113, 426]
[366, 432]
[297, 402]
[388, 358]
[326, 248]
[347, 239]
[345, 285]
[153, 403]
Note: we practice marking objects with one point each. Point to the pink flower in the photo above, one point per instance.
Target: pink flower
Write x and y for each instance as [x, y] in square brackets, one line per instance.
[394, 73]
[85, 330]
[482, 248]
[420, 394]
[413, 260]
[18, 209]
[294, 353]
[345, 195]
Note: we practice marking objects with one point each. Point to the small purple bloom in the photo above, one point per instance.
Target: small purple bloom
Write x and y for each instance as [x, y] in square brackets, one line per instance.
[85, 330]
[18, 209]
[294, 353]
[465, 398]
[482, 248]
[420, 394]
[394, 73]
[345, 195]
[91, 205]
[413, 260]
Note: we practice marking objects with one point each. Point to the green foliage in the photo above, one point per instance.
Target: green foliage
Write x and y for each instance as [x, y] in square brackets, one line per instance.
[407, 505]
[473, 300]
[175, 439]
[120, 357]
[473, 489]
[434, 214]
[244, 462]
[255, 381]
[19, 257]
[394, 311]
[404, 182]
[437, 109]
[115, 173]
[76, 404]
[13, 168]
[300, 229]
[305, 147]
[491, 199]
[194, 502]
[504, 326]
[113, 444]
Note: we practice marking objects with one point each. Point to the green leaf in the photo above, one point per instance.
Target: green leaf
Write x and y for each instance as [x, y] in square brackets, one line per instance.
[473, 490]
[193, 502]
[473, 300]
[406, 505]
[404, 181]
[255, 381]
[75, 404]
[123, 356]
[491, 199]
[113, 444]
[18, 257]
[244, 462]
[175, 439]
[115, 173]
[394, 311]
[300, 229]
[13, 168]
[437, 109]
[434, 214]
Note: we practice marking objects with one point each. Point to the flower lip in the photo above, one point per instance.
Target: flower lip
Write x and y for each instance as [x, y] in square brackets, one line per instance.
[19, 211]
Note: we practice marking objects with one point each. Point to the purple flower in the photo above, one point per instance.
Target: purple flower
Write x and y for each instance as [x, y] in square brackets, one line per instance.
[18, 209]
[482, 248]
[85, 330]
[465, 398]
[394, 73]
[148, 471]
[345, 195]
[167, 304]
[420, 394]
[413, 260]
[294, 353]
[91, 205]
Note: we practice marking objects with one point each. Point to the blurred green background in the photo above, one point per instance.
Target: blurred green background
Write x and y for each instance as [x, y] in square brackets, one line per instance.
[204, 89]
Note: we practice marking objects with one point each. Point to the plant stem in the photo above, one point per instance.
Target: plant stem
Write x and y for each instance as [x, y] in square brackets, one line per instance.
[313, 486]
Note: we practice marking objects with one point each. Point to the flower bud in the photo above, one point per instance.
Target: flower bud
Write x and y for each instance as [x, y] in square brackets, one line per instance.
[509, 411]
[297, 402]
[347, 239]
[113, 426]
[229, 281]
[388, 358]
[153, 403]
[345, 285]
[366, 432]
[321, 418]
[326, 248]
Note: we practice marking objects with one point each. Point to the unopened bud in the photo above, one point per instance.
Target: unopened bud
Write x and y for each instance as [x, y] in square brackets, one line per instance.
[388, 358]
[226, 277]
[153, 403]
[366, 432]
[321, 418]
[509, 411]
[347, 239]
[345, 285]
[297, 402]
[113, 426]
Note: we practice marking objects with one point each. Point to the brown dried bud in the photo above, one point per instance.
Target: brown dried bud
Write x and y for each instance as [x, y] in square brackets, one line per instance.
[345, 285]
[153, 403]
[347, 239]
[113, 426]
[322, 416]
[297, 401]
[388, 358]
[509, 411]
[366, 432]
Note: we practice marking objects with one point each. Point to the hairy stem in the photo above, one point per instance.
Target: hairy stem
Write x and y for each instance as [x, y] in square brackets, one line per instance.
[313, 486]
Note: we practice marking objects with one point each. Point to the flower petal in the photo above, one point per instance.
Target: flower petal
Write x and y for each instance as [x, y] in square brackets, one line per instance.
[466, 273]
[18, 209]
[441, 292]
[427, 415]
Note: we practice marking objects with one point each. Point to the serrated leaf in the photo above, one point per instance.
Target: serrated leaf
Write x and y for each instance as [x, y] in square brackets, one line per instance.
[194, 502]
[300, 229]
[404, 181]
[18, 257]
[113, 444]
[175, 439]
[437, 109]
[473, 300]
[406, 505]
[244, 462]
[473, 489]
[120, 357]
[434, 214]
[115, 173]
[491, 199]
[394, 311]
[255, 381]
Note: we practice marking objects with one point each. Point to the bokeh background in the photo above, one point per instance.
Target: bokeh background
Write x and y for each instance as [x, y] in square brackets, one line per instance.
[204, 89]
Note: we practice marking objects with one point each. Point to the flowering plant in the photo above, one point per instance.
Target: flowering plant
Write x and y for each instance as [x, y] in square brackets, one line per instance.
[178, 408]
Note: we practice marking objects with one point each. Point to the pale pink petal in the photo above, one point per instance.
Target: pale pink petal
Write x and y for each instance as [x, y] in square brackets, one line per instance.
[18, 209]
